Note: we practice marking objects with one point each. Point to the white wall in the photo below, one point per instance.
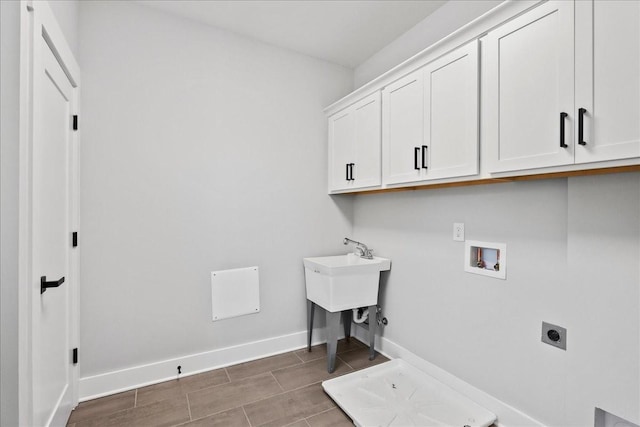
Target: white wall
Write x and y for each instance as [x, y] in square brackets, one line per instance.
[434, 27]
[9, 116]
[573, 251]
[201, 151]
[603, 302]
[481, 329]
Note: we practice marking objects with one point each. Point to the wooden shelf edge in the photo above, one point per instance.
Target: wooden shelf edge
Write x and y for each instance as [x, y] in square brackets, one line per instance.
[485, 181]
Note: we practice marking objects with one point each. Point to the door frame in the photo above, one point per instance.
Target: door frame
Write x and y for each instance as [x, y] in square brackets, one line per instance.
[36, 17]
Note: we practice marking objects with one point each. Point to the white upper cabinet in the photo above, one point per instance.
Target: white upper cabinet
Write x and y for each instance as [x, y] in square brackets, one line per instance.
[354, 146]
[533, 117]
[608, 80]
[451, 114]
[543, 87]
[430, 120]
[366, 171]
[341, 149]
[402, 129]
[528, 84]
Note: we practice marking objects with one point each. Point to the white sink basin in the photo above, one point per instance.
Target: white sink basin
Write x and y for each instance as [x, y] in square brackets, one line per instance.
[339, 265]
[343, 282]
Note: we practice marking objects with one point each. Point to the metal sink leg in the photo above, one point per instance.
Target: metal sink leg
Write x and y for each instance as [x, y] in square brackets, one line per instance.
[311, 306]
[347, 317]
[333, 325]
[373, 322]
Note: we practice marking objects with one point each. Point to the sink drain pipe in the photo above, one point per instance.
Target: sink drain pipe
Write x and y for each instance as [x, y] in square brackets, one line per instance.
[360, 315]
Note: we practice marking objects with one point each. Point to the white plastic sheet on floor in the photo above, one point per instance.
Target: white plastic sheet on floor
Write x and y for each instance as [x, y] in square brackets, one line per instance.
[397, 394]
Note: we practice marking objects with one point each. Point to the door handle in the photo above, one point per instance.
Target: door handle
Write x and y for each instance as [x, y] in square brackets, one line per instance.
[416, 153]
[581, 112]
[563, 116]
[351, 165]
[424, 154]
[44, 284]
[347, 177]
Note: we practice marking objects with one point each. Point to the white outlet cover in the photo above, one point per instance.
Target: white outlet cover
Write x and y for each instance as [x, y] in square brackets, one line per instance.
[458, 231]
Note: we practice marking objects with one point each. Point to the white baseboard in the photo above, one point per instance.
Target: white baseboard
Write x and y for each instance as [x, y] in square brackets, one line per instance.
[507, 415]
[95, 386]
[152, 373]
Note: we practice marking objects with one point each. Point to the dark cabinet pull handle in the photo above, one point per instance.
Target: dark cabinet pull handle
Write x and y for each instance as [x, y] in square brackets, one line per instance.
[563, 116]
[424, 154]
[581, 112]
[351, 165]
[347, 177]
[44, 284]
[416, 153]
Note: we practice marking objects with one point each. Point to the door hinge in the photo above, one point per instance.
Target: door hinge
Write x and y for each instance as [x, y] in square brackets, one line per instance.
[75, 122]
[75, 356]
[74, 239]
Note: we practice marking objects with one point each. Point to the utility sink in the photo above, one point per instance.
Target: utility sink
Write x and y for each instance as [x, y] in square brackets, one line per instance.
[343, 282]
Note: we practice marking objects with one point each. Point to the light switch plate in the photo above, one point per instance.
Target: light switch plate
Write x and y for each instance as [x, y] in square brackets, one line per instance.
[458, 231]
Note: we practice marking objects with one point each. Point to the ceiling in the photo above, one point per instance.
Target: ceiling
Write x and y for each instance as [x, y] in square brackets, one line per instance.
[343, 32]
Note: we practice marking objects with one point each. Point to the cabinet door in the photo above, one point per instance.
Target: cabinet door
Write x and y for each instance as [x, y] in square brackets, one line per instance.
[608, 79]
[402, 129]
[451, 114]
[528, 82]
[341, 151]
[367, 145]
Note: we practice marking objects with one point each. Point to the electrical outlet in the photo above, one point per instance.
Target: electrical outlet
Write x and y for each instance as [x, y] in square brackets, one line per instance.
[458, 231]
[554, 335]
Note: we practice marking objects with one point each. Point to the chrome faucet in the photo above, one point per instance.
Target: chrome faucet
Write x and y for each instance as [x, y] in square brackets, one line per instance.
[361, 248]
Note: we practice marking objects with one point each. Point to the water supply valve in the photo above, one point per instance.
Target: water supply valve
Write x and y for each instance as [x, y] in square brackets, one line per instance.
[382, 321]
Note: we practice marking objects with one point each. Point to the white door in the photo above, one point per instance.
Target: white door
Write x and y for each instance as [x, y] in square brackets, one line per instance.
[341, 154]
[402, 129]
[528, 84]
[608, 80]
[367, 147]
[451, 114]
[53, 217]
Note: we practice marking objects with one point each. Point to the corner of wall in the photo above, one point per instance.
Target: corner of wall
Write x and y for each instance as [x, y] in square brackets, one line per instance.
[9, 145]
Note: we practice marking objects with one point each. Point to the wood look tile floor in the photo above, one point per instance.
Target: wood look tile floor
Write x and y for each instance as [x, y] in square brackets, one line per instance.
[282, 390]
